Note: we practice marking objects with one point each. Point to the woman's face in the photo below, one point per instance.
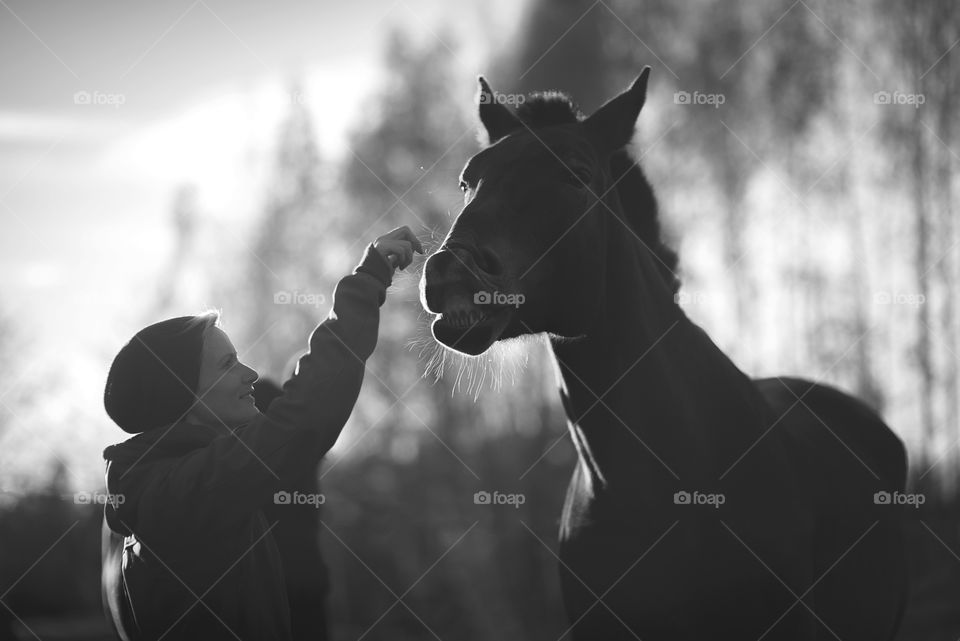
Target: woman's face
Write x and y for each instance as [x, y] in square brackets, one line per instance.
[225, 386]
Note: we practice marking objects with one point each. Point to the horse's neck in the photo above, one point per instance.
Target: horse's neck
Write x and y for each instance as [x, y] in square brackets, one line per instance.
[651, 399]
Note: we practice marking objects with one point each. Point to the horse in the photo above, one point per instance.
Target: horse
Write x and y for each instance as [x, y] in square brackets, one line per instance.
[703, 503]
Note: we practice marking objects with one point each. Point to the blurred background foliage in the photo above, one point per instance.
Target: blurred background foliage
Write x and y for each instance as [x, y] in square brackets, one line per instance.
[818, 236]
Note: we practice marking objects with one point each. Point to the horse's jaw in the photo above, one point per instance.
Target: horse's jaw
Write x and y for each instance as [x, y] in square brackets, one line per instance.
[471, 334]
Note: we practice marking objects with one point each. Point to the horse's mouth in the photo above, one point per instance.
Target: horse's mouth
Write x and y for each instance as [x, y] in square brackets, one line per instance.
[471, 331]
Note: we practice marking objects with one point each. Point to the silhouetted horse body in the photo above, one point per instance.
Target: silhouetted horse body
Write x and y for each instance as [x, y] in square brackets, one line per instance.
[704, 505]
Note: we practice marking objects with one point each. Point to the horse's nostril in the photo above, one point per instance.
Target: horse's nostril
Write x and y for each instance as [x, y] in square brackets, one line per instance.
[439, 262]
[470, 254]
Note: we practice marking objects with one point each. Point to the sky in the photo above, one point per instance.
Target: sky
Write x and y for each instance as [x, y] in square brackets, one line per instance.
[108, 107]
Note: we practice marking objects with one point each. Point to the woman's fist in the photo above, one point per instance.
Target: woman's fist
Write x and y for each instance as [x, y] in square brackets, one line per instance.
[398, 246]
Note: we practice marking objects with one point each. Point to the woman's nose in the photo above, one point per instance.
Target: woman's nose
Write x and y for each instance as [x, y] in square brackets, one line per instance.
[250, 376]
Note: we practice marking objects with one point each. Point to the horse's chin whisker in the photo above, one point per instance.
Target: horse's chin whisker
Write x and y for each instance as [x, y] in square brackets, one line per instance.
[503, 361]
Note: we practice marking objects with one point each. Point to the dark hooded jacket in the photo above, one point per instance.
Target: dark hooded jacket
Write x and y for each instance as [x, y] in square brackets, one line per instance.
[187, 550]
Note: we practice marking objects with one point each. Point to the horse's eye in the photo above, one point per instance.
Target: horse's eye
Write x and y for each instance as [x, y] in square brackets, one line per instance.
[463, 186]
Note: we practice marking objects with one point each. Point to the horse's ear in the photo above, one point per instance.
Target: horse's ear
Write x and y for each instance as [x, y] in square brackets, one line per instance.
[611, 126]
[496, 118]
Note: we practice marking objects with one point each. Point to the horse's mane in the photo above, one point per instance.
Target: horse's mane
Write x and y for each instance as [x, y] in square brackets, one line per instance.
[551, 108]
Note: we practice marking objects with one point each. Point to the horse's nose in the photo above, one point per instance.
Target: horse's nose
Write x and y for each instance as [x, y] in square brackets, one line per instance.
[441, 264]
[449, 271]
[476, 256]
[455, 261]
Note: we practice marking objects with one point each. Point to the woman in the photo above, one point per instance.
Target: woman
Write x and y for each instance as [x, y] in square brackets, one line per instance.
[187, 551]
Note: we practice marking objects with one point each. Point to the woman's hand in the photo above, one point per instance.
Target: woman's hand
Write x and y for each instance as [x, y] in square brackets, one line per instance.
[398, 246]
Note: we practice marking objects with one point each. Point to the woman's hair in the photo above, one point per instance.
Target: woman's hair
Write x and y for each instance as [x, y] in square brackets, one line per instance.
[153, 379]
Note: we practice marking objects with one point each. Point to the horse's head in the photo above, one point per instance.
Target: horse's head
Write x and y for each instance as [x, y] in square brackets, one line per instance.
[526, 254]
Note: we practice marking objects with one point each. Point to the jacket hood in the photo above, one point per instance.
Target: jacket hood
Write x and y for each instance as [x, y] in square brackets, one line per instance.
[129, 465]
